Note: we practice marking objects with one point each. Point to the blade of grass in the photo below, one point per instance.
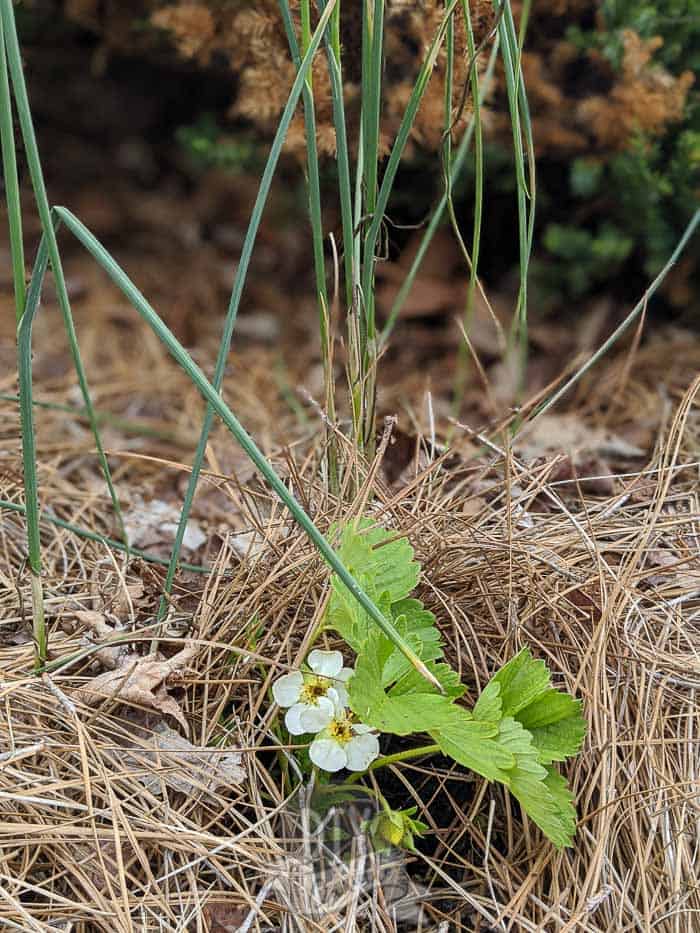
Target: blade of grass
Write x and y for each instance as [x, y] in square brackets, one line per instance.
[29, 472]
[438, 213]
[510, 51]
[372, 55]
[31, 485]
[617, 333]
[372, 58]
[362, 330]
[517, 49]
[350, 226]
[213, 397]
[409, 116]
[14, 62]
[351, 223]
[316, 220]
[463, 356]
[332, 45]
[362, 333]
[237, 292]
[101, 539]
[127, 425]
[9, 174]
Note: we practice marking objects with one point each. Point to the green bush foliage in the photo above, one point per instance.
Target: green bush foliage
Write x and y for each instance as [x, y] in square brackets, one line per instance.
[636, 202]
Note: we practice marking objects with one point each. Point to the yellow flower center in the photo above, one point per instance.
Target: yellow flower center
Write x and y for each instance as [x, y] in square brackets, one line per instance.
[341, 730]
[314, 687]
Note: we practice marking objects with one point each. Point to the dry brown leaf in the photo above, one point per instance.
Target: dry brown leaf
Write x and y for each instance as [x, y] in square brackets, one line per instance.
[567, 433]
[222, 917]
[429, 295]
[149, 524]
[161, 756]
[687, 572]
[142, 681]
[110, 656]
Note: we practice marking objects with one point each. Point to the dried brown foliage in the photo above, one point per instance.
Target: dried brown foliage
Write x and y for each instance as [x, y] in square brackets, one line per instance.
[250, 40]
[191, 26]
[579, 103]
[646, 98]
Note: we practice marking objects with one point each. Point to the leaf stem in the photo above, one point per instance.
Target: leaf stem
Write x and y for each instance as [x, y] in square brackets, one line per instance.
[406, 755]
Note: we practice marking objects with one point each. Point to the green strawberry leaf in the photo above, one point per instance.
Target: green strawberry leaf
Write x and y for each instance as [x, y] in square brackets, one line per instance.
[476, 745]
[519, 723]
[421, 710]
[559, 789]
[378, 554]
[521, 681]
[346, 615]
[538, 791]
[489, 705]
[387, 573]
[424, 638]
[412, 681]
[554, 719]
[419, 623]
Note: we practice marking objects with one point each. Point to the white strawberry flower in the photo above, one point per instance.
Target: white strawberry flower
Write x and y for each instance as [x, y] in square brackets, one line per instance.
[313, 698]
[344, 744]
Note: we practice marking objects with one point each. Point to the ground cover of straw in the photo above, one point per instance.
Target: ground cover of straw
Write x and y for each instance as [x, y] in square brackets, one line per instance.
[581, 541]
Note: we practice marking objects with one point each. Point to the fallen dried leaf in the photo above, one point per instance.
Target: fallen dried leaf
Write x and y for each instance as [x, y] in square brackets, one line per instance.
[224, 917]
[108, 657]
[151, 523]
[551, 434]
[142, 681]
[161, 756]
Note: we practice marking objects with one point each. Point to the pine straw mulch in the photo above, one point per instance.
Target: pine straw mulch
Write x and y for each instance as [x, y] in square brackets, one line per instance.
[582, 542]
[163, 799]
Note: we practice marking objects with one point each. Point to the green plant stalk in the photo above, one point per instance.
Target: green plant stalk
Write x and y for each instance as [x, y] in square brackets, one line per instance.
[516, 95]
[517, 49]
[386, 760]
[372, 53]
[400, 143]
[355, 310]
[619, 331]
[379, 209]
[350, 228]
[9, 173]
[438, 213]
[14, 62]
[213, 397]
[316, 220]
[449, 83]
[463, 356]
[101, 539]
[102, 417]
[31, 486]
[305, 34]
[522, 30]
[236, 294]
[372, 58]
[332, 45]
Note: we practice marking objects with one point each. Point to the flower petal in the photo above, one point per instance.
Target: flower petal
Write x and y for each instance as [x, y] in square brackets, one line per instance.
[292, 719]
[361, 751]
[286, 689]
[326, 663]
[327, 754]
[339, 697]
[360, 728]
[315, 718]
[345, 674]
